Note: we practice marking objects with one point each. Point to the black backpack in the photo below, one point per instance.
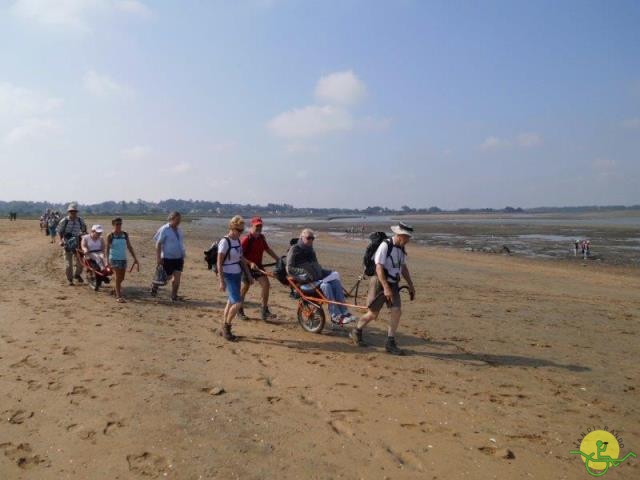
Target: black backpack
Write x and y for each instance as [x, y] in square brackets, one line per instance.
[211, 255]
[280, 269]
[375, 239]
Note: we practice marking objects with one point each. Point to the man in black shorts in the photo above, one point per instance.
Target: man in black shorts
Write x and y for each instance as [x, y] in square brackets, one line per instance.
[170, 253]
[390, 260]
[253, 247]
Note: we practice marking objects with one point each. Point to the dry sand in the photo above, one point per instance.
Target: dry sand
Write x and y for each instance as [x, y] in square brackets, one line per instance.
[510, 361]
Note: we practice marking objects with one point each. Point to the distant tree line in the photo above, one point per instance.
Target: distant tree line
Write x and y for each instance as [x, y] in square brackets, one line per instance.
[206, 208]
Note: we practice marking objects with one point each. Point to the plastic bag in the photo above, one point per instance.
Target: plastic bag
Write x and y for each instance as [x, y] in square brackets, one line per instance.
[160, 277]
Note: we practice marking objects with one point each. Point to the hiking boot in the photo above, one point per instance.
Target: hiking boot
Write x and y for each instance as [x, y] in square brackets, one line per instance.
[392, 348]
[242, 315]
[267, 315]
[79, 279]
[154, 291]
[70, 283]
[356, 337]
[226, 333]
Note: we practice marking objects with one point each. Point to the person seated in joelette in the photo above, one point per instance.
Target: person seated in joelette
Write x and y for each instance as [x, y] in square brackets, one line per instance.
[94, 247]
[302, 264]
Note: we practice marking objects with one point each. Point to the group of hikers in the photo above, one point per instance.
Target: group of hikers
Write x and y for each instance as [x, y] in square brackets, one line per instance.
[13, 216]
[584, 246]
[103, 253]
[49, 221]
[239, 264]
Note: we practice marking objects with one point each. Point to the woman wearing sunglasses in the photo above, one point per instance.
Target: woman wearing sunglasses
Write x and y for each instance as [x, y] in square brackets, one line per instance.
[231, 264]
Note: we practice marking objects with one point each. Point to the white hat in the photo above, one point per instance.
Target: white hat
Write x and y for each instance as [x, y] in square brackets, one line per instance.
[97, 229]
[402, 229]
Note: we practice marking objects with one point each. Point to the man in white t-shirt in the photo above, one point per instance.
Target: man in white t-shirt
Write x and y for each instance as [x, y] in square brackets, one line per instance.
[390, 259]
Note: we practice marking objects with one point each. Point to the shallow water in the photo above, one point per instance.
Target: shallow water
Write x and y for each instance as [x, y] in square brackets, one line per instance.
[614, 236]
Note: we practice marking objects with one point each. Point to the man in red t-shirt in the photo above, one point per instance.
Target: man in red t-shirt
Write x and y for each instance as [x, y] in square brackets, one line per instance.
[253, 247]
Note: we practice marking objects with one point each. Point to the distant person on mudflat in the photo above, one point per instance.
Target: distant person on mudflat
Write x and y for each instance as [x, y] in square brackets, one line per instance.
[391, 264]
[70, 229]
[253, 247]
[170, 253]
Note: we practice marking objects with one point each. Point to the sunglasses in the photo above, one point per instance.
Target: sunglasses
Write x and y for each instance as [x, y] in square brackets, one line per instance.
[310, 238]
[239, 230]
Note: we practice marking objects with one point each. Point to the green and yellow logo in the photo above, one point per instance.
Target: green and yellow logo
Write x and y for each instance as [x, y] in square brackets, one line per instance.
[600, 450]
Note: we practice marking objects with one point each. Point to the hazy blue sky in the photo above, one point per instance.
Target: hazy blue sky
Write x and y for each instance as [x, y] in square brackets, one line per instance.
[321, 103]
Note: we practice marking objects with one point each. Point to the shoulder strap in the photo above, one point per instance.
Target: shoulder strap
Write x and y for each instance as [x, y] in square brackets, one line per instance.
[65, 222]
[226, 256]
[110, 239]
[390, 246]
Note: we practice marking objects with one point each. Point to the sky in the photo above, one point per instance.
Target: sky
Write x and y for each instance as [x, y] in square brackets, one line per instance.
[336, 103]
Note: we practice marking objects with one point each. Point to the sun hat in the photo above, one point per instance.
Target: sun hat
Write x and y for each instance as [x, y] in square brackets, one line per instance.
[256, 221]
[236, 223]
[72, 207]
[97, 229]
[402, 229]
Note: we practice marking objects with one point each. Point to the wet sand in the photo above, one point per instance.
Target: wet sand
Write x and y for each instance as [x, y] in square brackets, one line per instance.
[511, 359]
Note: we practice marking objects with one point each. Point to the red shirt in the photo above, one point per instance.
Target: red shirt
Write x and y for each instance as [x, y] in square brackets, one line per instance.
[253, 249]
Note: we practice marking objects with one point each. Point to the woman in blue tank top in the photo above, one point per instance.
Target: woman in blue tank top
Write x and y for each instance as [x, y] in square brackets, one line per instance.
[117, 246]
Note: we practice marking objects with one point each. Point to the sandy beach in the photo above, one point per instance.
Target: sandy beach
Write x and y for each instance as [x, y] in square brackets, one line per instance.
[510, 361]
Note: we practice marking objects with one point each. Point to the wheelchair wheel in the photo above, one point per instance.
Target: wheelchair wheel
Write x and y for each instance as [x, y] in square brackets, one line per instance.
[310, 317]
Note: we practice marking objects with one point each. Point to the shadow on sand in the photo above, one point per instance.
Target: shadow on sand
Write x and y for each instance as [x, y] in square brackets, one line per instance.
[143, 295]
[377, 342]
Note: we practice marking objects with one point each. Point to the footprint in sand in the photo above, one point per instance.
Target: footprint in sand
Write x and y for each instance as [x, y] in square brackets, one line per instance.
[341, 421]
[148, 464]
[308, 401]
[79, 390]
[87, 434]
[17, 417]
[114, 423]
[54, 386]
[22, 455]
[407, 459]
[69, 350]
[33, 385]
[498, 452]
[24, 362]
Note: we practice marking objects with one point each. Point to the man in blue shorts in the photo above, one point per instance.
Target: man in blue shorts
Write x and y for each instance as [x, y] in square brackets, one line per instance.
[170, 253]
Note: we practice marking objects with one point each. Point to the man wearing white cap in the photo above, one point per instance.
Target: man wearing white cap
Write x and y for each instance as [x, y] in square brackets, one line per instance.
[69, 230]
[390, 260]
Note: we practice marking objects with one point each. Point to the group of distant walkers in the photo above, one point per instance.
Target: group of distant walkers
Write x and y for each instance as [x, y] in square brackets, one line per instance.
[239, 264]
[13, 216]
[584, 246]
